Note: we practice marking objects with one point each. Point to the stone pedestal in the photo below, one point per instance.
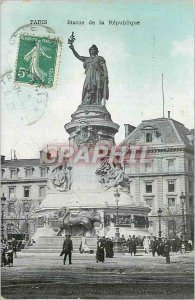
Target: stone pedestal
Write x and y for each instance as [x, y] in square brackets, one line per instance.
[91, 125]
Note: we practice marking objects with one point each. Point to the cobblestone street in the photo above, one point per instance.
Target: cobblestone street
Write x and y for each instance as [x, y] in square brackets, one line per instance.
[43, 276]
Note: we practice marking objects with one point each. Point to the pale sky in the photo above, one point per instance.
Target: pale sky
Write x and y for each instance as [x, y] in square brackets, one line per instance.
[136, 57]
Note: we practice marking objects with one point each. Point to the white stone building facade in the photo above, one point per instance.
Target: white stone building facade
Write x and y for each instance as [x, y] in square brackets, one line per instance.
[164, 173]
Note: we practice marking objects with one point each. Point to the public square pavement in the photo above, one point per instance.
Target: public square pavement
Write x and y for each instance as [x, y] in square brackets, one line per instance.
[43, 276]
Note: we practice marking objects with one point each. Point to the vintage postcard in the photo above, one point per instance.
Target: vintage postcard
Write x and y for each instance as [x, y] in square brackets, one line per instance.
[97, 149]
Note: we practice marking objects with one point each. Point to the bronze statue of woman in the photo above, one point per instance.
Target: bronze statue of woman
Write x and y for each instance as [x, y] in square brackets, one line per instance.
[95, 88]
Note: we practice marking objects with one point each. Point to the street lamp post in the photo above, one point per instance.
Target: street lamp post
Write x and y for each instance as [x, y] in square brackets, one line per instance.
[159, 219]
[182, 199]
[117, 233]
[27, 229]
[3, 200]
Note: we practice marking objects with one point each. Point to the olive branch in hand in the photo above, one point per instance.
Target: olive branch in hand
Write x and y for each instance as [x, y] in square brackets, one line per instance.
[71, 39]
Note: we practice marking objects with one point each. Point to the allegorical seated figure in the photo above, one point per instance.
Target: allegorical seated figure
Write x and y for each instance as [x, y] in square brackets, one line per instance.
[95, 88]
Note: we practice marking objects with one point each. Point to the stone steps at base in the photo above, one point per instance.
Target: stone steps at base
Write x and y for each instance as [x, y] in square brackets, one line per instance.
[58, 246]
[54, 245]
[58, 250]
[57, 242]
[45, 251]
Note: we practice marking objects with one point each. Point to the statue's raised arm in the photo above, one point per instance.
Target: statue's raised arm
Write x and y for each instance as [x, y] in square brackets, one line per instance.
[82, 58]
[95, 88]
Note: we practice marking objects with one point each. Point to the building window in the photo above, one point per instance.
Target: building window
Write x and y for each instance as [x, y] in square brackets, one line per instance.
[11, 207]
[171, 202]
[2, 173]
[171, 165]
[26, 192]
[13, 173]
[149, 202]
[190, 166]
[190, 183]
[139, 221]
[171, 186]
[11, 193]
[41, 191]
[148, 137]
[43, 172]
[26, 206]
[148, 187]
[41, 221]
[10, 228]
[148, 167]
[28, 172]
[191, 202]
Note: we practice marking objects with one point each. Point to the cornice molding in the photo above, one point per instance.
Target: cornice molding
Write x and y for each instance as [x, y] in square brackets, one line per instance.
[24, 180]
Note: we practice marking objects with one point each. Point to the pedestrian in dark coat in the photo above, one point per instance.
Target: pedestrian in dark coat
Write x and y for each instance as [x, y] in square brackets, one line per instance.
[167, 249]
[133, 245]
[100, 250]
[103, 240]
[109, 248]
[153, 245]
[67, 249]
[14, 246]
[160, 247]
[128, 243]
[3, 257]
[123, 241]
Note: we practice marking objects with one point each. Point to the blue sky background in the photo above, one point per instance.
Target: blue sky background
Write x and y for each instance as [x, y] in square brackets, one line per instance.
[136, 56]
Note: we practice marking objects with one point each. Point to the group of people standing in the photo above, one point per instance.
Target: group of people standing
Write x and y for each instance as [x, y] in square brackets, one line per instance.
[131, 244]
[104, 248]
[8, 252]
[10, 247]
[160, 246]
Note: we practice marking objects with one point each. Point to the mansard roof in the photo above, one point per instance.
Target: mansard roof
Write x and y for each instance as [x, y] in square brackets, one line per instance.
[168, 131]
[15, 163]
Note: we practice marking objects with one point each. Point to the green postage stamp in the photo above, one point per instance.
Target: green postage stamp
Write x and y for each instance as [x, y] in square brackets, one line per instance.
[38, 60]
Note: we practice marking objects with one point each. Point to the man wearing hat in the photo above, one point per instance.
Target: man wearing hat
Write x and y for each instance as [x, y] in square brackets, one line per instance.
[67, 249]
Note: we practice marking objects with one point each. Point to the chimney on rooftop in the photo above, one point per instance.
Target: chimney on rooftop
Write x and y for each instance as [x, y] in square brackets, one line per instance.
[128, 129]
[169, 114]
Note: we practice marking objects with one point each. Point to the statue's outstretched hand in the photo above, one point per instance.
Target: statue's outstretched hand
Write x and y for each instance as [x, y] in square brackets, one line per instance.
[71, 47]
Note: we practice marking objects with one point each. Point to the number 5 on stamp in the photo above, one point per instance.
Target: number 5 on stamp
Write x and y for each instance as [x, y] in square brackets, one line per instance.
[38, 60]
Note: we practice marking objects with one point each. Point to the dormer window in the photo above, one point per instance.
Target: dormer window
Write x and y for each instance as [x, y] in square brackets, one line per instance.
[13, 173]
[148, 137]
[150, 134]
[43, 171]
[28, 171]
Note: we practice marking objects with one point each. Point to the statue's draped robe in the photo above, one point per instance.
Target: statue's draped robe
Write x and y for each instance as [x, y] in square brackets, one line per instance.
[96, 82]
